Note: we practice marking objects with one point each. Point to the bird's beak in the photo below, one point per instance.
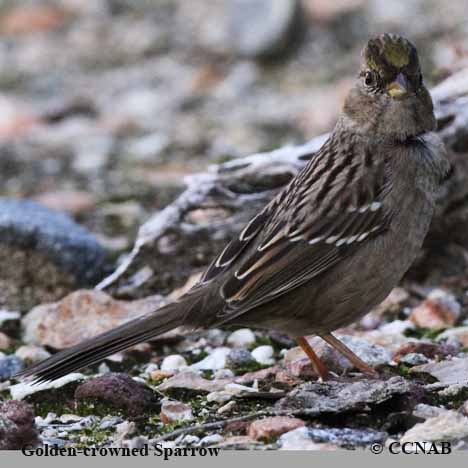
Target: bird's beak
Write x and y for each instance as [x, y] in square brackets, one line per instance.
[398, 88]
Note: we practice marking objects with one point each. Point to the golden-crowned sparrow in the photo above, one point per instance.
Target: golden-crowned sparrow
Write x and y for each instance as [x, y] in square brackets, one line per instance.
[334, 242]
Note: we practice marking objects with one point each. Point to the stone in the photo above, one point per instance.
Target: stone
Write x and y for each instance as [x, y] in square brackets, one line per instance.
[7, 317]
[262, 28]
[17, 427]
[32, 354]
[430, 350]
[449, 425]
[241, 338]
[336, 397]
[50, 249]
[214, 361]
[79, 316]
[270, 428]
[264, 355]
[258, 375]
[119, 391]
[454, 371]
[299, 439]
[192, 381]
[460, 333]
[425, 411]
[175, 411]
[230, 390]
[73, 202]
[414, 359]
[312, 438]
[5, 341]
[174, 362]
[27, 19]
[210, 440]
[9, 366]
[240, 360]
[440, 310]
[347, 437]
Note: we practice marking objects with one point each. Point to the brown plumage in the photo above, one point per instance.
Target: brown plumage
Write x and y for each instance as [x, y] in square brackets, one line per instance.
[334, 242]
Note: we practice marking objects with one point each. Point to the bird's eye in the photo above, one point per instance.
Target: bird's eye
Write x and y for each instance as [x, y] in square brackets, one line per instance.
[369, 78]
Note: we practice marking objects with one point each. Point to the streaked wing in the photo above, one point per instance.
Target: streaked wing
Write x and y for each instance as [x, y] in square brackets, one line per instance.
[326, 213]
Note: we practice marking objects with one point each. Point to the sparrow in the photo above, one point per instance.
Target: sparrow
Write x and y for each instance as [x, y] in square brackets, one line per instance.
[333, 243]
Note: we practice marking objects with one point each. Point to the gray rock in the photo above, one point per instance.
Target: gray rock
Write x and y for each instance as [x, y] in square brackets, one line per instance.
[345, 437]
[262, 28]
[414, 359]
[48, 248]
[9, 366]
[240, 359]
[454, 371]
[119, 391]
[17, 426]
[449, 425]
[336, 397]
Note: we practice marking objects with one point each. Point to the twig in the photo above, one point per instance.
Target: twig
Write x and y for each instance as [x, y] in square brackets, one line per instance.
[220, 424]
[213, 425]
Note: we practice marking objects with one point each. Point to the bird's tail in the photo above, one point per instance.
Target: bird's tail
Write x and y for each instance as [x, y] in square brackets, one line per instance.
[95, 349]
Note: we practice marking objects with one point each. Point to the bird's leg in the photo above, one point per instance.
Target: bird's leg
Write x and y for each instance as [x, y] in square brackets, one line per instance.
[343, 349]
[319, 366]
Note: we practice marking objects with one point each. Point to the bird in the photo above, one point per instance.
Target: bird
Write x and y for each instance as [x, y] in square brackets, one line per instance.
[333, 243]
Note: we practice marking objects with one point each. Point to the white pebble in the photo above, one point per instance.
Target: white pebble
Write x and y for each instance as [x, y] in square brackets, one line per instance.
[264, 355]
[241, 338]
[216, 360]
[223, 374]
[173, 362]
[221, 396]
[237, 389]
[211, 439]
[32, 353]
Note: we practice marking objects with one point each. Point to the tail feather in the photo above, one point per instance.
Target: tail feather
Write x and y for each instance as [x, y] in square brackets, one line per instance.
[95, 349]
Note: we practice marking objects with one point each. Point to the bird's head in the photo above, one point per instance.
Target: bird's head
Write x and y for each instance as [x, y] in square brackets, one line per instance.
[389, 99]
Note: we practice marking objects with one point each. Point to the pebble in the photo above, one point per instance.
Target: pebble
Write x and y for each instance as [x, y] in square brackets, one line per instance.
[241, 338]
[119, 391]
[174, 362]
[269, 428]
[216, 360]
[190, 440]
[109, 421]
[453, 371]
[240, 359]
[440, 310]
[211, 440]
[459, 333]
[8, 316]
[299, 439]
[79, 316]
[223, 374]
[264, 355]
[175, 411]
[5, 341]
[55, 253]
[32, 353]
[227, 407]
[449, 425]
[414, 359]
[262, 28]
[17, 427]
[9, 366]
